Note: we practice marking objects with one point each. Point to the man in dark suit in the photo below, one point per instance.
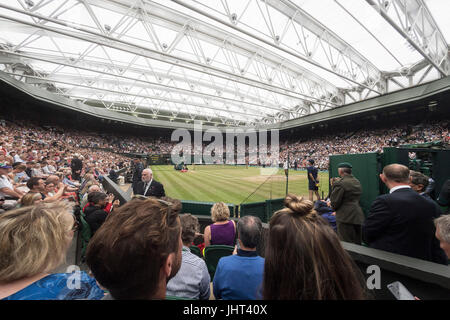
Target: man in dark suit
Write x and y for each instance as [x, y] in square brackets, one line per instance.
[137, 175]
[344, 198]
[149, 187]
[76, 165]
[402, 221]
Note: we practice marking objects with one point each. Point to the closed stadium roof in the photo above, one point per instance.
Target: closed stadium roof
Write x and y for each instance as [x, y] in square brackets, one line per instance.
[224, 62]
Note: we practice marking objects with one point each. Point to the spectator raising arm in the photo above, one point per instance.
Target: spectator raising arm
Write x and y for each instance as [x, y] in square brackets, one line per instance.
[58, 195]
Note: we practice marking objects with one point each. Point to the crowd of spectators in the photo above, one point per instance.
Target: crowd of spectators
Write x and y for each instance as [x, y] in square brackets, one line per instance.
[51, 180]
[363, 141]
[24, 142]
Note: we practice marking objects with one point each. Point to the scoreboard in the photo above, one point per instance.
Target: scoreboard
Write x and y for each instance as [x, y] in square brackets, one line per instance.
[158, 159]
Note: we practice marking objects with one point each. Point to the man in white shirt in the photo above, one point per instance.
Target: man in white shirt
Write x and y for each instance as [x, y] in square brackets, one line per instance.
[7, 189]
[15, 156]
[46, 168]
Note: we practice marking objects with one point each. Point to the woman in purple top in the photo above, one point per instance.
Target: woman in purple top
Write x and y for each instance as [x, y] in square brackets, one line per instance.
[223, 230]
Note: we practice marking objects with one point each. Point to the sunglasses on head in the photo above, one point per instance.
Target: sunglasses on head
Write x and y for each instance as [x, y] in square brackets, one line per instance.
[168, 204]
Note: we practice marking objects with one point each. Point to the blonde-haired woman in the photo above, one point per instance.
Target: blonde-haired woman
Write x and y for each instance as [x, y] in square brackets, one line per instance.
[33, 242]
[223, 230]
[31, 198]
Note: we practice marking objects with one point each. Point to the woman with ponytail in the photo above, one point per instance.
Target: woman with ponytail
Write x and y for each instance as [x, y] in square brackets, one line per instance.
[304, 258]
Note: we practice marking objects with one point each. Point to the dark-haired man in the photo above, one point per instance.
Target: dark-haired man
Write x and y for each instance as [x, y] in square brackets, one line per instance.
[137, 251]
[345, 194]
[94, 211]
[313, 180]
[419, 183]
[239, 276]
[402, 221]
[192, 280]
[138, 167]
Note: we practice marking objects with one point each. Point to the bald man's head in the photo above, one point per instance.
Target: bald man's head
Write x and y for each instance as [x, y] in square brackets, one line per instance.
[94, 188]
[396, 173]
[52, 179]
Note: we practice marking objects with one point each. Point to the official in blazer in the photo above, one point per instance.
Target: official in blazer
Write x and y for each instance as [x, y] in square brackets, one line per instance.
[402, 221]
[149, 187]
[345, 195]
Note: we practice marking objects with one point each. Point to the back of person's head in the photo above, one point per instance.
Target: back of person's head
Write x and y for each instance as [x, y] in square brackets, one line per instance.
[34, 239]
[89, 176]
[96, 197]
[304, 258]
[33, 182]
[19, 166]
[189, 227]
[396, 173]
[53, 178]
[418, 178]
[220, 212]
[311, 161]
[137, 240]
[30, 198]
[322, 207]
[249, 231]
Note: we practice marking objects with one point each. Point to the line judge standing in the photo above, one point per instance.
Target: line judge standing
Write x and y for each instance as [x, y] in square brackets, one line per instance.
[149, 187]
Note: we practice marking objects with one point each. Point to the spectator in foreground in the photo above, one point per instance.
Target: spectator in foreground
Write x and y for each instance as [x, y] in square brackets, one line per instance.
[137, 251]
[31, 198]
[401, 222]
[305, 259]
[239, 276]
[223, 230]
[192, 280]
[443, 233]
[42, 234]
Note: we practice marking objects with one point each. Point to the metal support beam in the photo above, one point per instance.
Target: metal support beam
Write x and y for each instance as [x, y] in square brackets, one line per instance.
[417, 19]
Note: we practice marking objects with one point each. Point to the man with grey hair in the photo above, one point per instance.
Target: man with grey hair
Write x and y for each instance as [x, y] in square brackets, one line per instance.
[91, 189]
[148, 186]
[402, 221]
[240, 276]
[443, 233]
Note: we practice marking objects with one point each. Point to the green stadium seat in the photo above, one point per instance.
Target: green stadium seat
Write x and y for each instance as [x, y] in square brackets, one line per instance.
[195, 250]
[213, 253]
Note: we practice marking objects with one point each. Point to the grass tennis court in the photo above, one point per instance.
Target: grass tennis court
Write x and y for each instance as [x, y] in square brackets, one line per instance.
[233, 184]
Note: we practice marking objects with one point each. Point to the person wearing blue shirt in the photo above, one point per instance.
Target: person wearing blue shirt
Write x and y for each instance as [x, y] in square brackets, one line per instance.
[240, 276]
[326, 212]
[42, 234]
